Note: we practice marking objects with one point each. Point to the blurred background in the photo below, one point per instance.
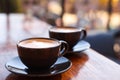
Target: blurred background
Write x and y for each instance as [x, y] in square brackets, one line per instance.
[101, 19]
[98, 14]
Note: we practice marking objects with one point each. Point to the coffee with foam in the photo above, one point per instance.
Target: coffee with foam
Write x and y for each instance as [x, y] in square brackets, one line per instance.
[40, 53]
[72, 35]
[38, 43]
[64, 30]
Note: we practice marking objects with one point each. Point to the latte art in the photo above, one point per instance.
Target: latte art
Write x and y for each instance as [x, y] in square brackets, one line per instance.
[38, 43]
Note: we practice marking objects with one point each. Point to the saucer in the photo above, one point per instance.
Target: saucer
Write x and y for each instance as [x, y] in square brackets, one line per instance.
[16, 66]
[80, 46]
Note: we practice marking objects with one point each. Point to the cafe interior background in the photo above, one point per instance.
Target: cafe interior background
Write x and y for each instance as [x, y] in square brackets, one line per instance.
[100, 18]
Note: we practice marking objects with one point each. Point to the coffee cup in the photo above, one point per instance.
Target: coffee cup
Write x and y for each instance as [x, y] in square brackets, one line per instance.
[40, 53]
[71, 35]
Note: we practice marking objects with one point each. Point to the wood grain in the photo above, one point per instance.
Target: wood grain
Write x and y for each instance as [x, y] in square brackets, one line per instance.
[88, 65]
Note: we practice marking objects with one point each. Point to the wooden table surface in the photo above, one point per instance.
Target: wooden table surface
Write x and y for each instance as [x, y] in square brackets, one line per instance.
[87, 65]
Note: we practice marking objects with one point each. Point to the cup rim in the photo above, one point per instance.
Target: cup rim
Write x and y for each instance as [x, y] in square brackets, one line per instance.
[59, 43]
[77, 29]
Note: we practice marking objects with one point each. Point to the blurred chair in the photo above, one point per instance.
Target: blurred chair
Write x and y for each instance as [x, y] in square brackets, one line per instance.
[103, 43]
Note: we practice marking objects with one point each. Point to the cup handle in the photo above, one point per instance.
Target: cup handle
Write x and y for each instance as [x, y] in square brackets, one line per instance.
[64, 48]
[84, 34]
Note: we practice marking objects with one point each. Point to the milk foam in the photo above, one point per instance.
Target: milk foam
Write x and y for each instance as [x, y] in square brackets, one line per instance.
[65, 30]
[38, 43]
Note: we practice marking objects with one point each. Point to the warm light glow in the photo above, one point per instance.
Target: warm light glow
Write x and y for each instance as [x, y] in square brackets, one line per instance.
[116, 47]
[114, 2]
[69, 19]
[54, 7]
[103, 16]
[115, 20]
[103, 2]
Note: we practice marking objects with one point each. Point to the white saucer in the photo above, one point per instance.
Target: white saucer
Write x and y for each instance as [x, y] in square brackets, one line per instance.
[16, 66]
[80, 46]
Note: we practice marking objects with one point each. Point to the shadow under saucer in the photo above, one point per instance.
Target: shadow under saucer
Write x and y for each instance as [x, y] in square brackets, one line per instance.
[80, 46]
[22, 77]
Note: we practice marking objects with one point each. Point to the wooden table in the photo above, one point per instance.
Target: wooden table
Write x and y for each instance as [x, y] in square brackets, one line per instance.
[87, 65]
